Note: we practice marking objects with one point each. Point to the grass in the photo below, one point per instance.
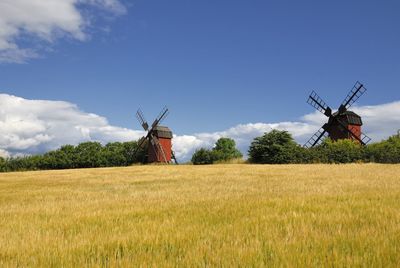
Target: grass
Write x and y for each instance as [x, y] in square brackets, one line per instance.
[185, 216]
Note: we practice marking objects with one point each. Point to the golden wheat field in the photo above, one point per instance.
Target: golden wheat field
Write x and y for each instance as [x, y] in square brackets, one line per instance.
[199, 216]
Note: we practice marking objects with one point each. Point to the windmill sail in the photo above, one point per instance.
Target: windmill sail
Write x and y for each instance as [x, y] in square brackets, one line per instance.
[316, 101]
[161, 116]
[317, 138]
[355, 93]
[342, 123]
[362, 138]
[142, 121]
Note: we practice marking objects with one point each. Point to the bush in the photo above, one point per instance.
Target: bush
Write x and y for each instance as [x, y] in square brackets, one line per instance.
[278, 147]
[387, 151]
[341, 151]
[275, 147]
[114, 154]
[89, 155]
[202, 157]
[225, 150]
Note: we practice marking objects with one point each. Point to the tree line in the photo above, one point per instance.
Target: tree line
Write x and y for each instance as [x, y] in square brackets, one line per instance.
[279, 147]
[84, 155]
[275, 147]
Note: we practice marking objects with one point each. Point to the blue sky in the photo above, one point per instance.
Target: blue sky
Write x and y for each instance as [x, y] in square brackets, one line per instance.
[216, 64]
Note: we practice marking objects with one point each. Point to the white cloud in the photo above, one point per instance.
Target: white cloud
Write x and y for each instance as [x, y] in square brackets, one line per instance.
[36, 126]
[380, 122]
[46, 20]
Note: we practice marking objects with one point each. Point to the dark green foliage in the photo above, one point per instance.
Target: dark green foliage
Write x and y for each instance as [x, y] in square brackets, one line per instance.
[224, 150]
[275, 147]
[202, 157]
[114, 154]
[387, 151]
[278, 147]
[85, 155]
[63, 158]
[341, 151]
[89, 154]
[2, 164]
[132, 155]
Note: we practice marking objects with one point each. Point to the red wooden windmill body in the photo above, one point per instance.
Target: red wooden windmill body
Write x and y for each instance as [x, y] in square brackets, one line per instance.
[158, 139]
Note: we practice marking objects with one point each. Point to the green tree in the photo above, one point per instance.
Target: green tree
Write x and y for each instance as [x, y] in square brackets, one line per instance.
[202, 156]
[275, 147]
[114, 154]
[387, 151]
[132, 154]
[2, 164]
[89, 154]
[225, 149]
[63, 158]
[340, 151]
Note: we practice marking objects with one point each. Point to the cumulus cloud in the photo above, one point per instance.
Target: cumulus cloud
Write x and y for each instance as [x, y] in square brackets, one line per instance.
[45, 20]
[380, 122]
[37, 126]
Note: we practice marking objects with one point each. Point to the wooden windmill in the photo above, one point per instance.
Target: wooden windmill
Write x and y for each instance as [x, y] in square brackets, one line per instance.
[343, 124]
[158, 139]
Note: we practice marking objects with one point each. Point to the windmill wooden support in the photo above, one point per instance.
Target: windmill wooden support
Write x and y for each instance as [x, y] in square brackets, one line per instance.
[158, 139]
[343, 124]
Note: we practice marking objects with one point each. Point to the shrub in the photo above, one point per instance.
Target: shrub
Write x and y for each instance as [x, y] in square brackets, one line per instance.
[387, 151]
[114, 154]
[340, 151]
[202, 156]
[89, 154]
[225, 150]
[275, 147]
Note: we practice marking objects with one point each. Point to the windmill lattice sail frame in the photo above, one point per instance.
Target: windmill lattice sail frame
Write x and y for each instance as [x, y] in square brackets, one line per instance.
[335, 120]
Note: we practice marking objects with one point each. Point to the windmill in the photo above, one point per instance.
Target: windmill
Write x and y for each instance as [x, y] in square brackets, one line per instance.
[343, 124]
[158, 139]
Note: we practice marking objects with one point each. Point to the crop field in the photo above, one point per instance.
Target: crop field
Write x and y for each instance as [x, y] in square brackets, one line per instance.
[191, 216]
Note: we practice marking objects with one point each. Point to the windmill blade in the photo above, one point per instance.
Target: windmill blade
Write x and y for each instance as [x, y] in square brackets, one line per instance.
[161, 116]
[355, 93]
[156, 143]
[315, 101]
[140, 144]
[142, 120]
[316, 139]
[363, 139]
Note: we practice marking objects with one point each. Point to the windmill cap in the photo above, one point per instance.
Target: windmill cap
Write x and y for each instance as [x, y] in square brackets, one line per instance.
[162, 132]
[352, 117]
